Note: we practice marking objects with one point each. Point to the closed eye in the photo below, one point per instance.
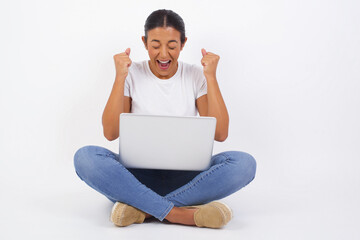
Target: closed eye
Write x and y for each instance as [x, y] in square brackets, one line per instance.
[169, 48]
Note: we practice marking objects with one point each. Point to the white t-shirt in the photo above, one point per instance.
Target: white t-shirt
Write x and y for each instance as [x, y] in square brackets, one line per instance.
[174, 96]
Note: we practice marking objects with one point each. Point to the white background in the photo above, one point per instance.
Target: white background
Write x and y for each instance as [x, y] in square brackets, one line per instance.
[290, 76]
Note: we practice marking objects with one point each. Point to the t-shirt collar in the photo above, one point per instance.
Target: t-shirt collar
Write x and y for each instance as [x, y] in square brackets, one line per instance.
[163, 80]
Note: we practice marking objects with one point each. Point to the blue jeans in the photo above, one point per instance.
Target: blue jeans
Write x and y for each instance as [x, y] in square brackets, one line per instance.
[156, 192]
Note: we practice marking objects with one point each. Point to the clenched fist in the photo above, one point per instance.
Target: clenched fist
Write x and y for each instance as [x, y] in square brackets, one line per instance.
[209, 61]
[122, 63]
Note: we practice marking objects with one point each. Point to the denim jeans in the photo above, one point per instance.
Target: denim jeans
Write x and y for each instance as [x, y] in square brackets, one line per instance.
[157, 191]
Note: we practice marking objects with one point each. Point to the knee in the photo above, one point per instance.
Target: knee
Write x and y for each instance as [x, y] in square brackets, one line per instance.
[244, 164]
[82, 159]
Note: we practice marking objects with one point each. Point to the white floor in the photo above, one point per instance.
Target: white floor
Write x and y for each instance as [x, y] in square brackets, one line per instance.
[58, 205]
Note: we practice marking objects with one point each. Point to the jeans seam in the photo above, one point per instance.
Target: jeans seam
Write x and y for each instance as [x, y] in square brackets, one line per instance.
[166, 211]
[106, 154]
[226, 155]
[201, 179]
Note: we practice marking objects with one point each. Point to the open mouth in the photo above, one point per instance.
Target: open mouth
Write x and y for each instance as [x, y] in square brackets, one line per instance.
[163, 65]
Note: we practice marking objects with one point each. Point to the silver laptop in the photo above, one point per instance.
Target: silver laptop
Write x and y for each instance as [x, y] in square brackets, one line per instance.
[166, 142]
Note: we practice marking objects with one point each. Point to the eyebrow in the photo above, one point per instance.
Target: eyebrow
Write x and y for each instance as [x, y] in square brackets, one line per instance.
[155, 40]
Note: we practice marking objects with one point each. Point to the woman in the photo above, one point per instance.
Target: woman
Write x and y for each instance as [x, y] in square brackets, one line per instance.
[163, 85]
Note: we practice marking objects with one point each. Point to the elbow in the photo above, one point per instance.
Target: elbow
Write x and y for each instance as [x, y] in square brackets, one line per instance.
[110, 136]
[109, 132]
[222, 131]
[221, 138]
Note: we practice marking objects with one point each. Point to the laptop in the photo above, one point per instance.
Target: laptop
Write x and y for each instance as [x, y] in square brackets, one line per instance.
[166, 142]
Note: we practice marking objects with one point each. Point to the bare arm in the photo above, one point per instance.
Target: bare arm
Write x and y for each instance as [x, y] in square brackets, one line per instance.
[214, 103]
[217, 108]
[117, 103]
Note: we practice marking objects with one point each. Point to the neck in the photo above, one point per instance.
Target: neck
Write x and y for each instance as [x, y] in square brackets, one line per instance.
[171, 74]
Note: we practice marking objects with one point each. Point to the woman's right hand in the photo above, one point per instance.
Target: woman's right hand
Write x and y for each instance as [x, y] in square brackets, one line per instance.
[122, 64]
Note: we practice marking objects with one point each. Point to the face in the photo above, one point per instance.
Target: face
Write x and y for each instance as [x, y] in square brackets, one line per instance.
[164, 46]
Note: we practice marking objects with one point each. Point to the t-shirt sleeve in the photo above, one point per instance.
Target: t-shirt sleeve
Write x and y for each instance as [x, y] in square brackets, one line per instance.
[201, 84]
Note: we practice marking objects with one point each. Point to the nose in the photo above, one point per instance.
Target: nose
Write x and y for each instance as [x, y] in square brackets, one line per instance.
[163, 53]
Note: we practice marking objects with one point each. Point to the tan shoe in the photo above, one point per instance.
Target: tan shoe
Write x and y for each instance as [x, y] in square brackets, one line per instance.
[123, 215]
[212, 215]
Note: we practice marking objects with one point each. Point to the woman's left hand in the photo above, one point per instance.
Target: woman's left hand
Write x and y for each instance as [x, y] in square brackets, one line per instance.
[209, 61]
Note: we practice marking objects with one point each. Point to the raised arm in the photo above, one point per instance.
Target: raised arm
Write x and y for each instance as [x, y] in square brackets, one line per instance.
[117, 102]
[212, 104]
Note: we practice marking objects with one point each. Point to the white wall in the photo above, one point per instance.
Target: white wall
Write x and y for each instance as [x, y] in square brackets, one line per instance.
[289, 74]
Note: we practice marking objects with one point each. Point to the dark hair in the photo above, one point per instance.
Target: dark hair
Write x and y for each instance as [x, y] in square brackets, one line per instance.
[165, 18]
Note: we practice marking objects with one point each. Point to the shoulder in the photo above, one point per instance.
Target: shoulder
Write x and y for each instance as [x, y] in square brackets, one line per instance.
[192, 69]
[137, 71]
[137, 66]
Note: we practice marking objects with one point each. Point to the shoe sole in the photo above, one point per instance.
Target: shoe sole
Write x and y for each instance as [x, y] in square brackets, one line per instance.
[114, 208]
[230, 210]
[224, 210]
[123, 215]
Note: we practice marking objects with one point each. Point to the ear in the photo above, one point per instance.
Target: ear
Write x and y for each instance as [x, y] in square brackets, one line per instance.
[183, 44]
[145, 43]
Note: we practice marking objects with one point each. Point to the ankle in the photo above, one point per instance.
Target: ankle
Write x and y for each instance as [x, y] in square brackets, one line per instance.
[181, 215]
[173, 214]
